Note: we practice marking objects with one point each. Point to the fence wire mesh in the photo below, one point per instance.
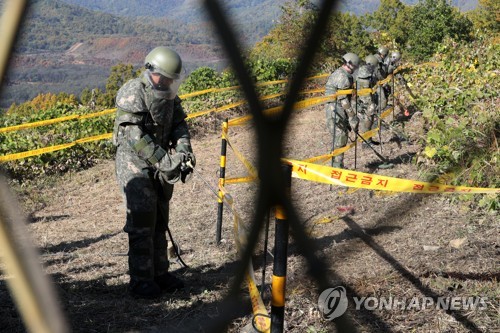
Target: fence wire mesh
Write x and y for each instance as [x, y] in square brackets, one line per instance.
[270, 131]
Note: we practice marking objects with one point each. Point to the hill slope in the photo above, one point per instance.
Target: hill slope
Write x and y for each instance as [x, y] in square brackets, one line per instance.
[386, 244]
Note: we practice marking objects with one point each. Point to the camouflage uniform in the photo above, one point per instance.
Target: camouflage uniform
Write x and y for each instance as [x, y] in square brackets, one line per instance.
[392, 63]
[146, 126]
[366, 106]
[339, 114]
[379, 74]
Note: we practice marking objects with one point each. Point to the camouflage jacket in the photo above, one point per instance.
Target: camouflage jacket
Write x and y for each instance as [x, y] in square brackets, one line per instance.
[339, 80]
[364, 80]
[147, 125]
[380, 73]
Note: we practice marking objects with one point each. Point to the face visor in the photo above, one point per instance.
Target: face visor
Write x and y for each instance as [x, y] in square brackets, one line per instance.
[163, 86]
[352, 67]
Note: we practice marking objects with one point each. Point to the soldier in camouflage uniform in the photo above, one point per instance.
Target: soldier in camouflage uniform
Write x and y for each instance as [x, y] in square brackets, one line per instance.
[381, 56]
[340, 115]
[366, 106]
[149, 122]
[393, 61]
[380, 98]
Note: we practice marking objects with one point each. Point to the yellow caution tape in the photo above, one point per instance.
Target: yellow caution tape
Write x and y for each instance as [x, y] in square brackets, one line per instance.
[216, 109]
[54, 121]
[95, 138]
[37, 123]
[98, 114]
[338, 151]
[342, 177]
[261, 320]
[246, 163]
[261, 84]
[240, 180]
[310, 102]
[35, 152]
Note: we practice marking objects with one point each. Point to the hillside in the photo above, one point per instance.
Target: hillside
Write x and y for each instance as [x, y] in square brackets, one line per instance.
[374, 243]
[67, 45]
[184, 8]
[68, 48]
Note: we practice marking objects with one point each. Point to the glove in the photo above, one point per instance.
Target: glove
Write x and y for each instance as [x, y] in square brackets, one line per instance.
[187, 166]
[186, 171]
[168, 169]
[170, 163]
[191, 158]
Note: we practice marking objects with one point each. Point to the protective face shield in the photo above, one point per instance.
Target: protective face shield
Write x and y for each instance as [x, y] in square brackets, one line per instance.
[371, 60]
[383, 51]
[164, 87]
[351, 60]
[395, 57]
[163, 71]
[365, 72]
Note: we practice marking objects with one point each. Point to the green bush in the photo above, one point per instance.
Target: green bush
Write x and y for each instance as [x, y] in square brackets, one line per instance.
[74, 158]
[458, 100]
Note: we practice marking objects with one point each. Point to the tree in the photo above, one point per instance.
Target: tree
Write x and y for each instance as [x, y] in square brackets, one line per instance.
[429, 22]
[345, 33]
[119, 75]
[287, 38]
[385, 17]
[485, 16]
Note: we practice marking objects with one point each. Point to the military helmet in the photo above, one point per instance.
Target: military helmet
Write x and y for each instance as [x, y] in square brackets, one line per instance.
[352, 59]
[365, 71]
[383, 51]
[395, 56]
[164, 61]
[372, 60]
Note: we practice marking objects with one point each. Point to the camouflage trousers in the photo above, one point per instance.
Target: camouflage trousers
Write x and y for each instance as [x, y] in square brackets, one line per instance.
[366, 118]
[338, 126]
[380, 98]
[147, 204]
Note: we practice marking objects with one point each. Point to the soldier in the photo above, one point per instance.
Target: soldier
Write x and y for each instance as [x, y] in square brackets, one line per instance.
[380, 99]
[393, 61]
[340, 115]
[149, 122]
[381, 56]
[366, 106]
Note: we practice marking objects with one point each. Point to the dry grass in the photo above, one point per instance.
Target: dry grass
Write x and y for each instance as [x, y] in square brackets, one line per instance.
[376, 251]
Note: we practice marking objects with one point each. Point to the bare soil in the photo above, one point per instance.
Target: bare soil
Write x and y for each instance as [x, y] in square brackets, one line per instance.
[388, 244]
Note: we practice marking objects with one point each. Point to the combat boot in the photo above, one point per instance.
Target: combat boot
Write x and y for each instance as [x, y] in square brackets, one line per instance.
[144, 289]
[338, 161]
[168, 282]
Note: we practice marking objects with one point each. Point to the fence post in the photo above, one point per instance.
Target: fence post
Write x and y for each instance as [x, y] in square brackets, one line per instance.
[222, 178]
[280, 258]
[379, 100]
[356, 129]
[393, 98]
[334, 133]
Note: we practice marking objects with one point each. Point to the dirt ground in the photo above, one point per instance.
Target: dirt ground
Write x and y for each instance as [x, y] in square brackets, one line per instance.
[388, 245]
